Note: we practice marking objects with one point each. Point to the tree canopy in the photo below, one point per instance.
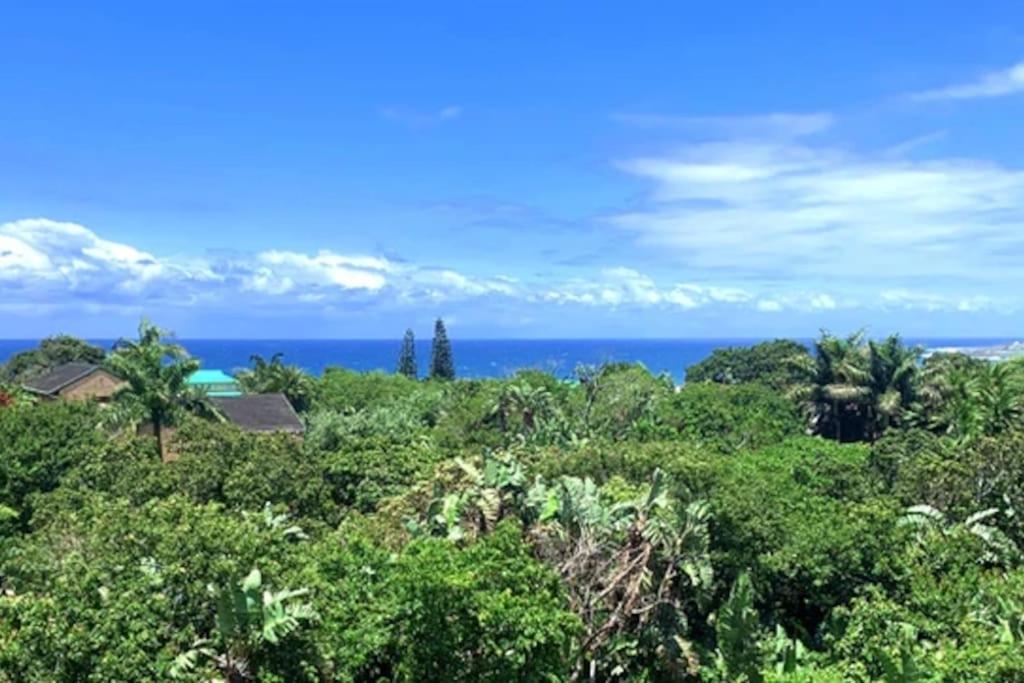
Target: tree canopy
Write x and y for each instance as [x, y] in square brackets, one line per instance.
[51, 352]
[407, 356]
[442, 366]
[850, 513]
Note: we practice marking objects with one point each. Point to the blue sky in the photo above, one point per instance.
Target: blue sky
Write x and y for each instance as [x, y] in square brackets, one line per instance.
[524, 170]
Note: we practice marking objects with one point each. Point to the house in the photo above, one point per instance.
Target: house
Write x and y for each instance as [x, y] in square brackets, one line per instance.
[75, 382]
[259, 413]
[215, 383]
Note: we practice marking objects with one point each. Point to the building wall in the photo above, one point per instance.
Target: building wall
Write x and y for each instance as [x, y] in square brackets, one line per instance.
[99, 385]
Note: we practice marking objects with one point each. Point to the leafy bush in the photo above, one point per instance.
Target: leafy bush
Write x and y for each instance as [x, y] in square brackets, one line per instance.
[114, 591]
[804, 519]
[731, 418]
[342, 390]
[39, 444]
[51, 352]
[775, 364]
[486, 613]
[220, 463]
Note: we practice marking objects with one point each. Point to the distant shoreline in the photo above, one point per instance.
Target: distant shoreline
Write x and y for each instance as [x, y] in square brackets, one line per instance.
[995, 352]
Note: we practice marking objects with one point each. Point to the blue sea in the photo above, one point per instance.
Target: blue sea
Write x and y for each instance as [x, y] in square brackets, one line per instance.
[473, 358]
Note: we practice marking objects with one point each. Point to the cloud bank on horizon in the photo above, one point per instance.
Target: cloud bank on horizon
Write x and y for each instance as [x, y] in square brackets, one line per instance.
[690, 222]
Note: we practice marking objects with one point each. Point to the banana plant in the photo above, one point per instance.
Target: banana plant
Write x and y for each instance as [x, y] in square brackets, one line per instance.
[1006, 616]
[488, 494]
[278, 522]
[999, 548]
[902, 665]
[738, 655]
[248, 618]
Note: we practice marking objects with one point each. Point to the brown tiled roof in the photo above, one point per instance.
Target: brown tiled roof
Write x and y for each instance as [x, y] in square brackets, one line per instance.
[260, 412]
[51, 382]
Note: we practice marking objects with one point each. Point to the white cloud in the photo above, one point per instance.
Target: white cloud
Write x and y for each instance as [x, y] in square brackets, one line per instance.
[994, 84]
[823, 301]
[45, 263]
[326, 268]
[769, 212]
[20, 259]
[621, 286]
[45, 250]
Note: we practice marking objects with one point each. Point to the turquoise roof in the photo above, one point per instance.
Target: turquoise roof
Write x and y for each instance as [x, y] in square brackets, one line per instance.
[211, 377]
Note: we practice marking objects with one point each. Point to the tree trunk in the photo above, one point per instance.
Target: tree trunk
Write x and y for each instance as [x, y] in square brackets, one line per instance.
[158, 432]
[839, 421]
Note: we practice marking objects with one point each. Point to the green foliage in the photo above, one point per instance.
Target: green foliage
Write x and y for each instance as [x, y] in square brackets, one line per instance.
[805, 518]
[220, 463]
[857, 389]
[156, 372]
[527, 528]
[968, 400]
[12, 395]
[275, 377]
[442, 366]
[108, 590]
[342, 391]
[486, 613]
[776, 364]
[957, 478]
[51, 352]
[632, 563]
[361, 478]
[407, 357]
[399, 423]
[39, 444]
[730, 418]
[620, 400]
[736, 634]
[248, 619]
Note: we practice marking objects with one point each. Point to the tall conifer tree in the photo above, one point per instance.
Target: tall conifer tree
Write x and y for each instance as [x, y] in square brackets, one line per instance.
[407, 357]
[441, 364]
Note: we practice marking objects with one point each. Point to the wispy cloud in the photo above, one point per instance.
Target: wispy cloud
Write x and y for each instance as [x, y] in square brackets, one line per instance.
[769, 212]
[929, 301]
[778, 125]
[417, 118]
[993, 84]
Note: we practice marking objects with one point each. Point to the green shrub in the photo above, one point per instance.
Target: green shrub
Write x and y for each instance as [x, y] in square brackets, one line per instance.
[731, 418]
[39, 444]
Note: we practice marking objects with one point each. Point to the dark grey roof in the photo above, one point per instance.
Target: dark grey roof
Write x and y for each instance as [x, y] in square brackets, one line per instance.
[51, 382]
[260, 412]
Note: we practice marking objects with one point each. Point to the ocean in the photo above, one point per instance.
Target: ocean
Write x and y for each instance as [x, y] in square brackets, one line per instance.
[473, 357]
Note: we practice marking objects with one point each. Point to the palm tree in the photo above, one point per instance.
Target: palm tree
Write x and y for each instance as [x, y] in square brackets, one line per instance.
[968, 399]
[274, 377]
[893, 370]
[526, 402]
[157, 376]
[839, 386]
[998, 389]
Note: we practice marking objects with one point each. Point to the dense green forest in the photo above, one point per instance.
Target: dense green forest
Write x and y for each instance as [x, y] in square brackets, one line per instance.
[846, 513]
